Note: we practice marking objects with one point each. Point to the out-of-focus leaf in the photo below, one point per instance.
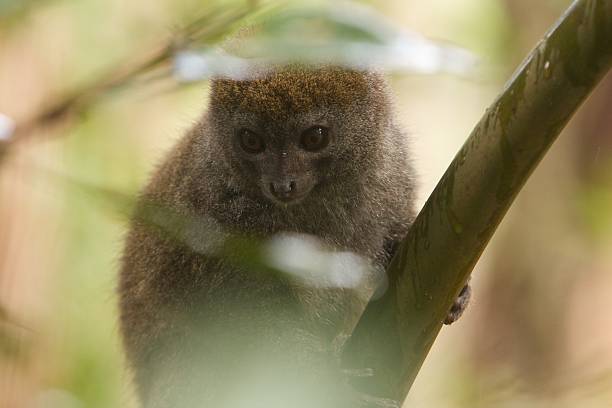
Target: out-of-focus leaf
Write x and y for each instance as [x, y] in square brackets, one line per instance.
[12, 10]
[595, 204]
[12, 336]
[341, 34]
[300, 257]
[7, 127]
[9, 7]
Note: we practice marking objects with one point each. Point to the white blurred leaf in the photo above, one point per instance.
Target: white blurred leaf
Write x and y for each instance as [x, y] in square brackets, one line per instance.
[305, 258]
[345, 34]
[7, 127]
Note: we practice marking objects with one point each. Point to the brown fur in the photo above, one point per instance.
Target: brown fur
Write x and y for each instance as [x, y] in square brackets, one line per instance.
[179, 306]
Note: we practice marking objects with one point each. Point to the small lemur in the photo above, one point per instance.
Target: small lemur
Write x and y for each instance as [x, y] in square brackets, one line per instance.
[306, 150]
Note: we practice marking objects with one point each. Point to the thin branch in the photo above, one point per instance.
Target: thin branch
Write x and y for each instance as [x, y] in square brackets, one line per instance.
[208, 28]
[396, 332]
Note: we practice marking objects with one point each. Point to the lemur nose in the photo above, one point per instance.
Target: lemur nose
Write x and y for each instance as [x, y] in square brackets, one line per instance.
[283, 189]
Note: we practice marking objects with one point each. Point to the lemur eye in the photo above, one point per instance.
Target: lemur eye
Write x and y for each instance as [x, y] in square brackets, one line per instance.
[315, 138]
[251, 142]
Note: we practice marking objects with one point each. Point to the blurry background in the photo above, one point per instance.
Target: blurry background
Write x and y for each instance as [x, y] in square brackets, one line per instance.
[539, 330]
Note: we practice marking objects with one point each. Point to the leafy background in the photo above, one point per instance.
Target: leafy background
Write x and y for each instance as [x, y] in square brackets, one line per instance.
[538, 332]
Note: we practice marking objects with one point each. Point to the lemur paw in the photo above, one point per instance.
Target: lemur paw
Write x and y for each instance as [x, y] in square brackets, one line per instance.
[459, 305]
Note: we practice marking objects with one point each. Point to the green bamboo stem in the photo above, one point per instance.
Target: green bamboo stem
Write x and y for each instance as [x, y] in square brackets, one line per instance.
[433, 263]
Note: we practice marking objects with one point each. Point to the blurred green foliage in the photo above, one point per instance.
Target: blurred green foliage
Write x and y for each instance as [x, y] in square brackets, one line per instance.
[13, 10]
[594, 204]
